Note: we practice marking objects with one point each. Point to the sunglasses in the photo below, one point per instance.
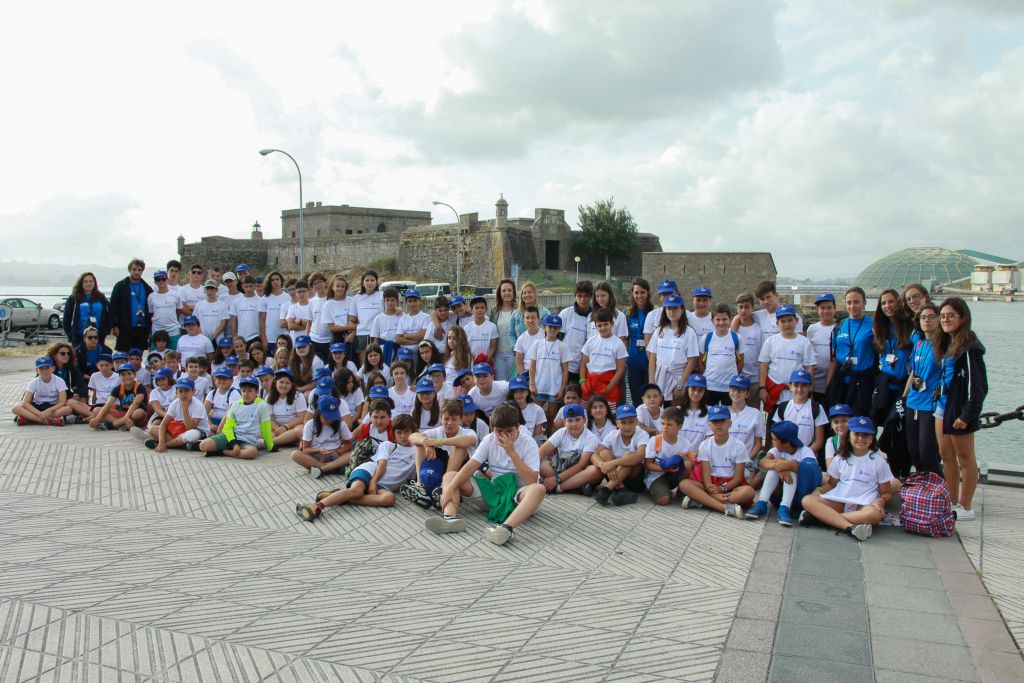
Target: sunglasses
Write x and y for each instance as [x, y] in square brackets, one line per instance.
[63, 353]
[197, 272]
[92, 337]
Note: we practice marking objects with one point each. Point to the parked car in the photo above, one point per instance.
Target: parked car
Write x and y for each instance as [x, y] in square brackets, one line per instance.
[400, 285]
[431, 290]
[483, 291]
[27, 313]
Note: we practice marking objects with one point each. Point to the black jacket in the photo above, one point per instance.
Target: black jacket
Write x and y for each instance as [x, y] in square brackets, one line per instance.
[71, 313]
[966, 392]
[121, 305]
[84, 367]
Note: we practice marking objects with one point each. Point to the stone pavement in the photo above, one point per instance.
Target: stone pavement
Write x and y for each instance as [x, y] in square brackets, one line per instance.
[118, 563]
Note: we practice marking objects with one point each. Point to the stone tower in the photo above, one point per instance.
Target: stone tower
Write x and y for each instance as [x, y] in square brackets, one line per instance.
[501, 212]
[257, 234]
[181, 245]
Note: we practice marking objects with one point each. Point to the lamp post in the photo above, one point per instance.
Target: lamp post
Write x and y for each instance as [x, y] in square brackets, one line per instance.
[458, 246]
[302, 231]
[577, 260]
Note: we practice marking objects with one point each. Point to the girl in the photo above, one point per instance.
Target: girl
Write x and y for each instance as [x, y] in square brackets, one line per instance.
[331, 322]
[473, 420]
[851, 497]
[745, 423]
[501, 316]
[65, 366]
[339, 359]
[527, 297]
[463, 383]
[86, 307]
[572, 394]
[599, 417]
[915, 296]
[673, 350]
[373, 361]
[258, 355]
[224, 347]
[839, 419]
[547, 365]
[426, 355]
[366, 305]
[160, 398]
[303, 363]
[893, 332]
[266, 377]
[457, 354]
[239, 348]
[288, 409]
[284, 341]
[348, 390]
[637, 373]
[604, 298]
[533, 414]
[964, 385]
[45, 398]
[695, 417]
[401, 395]
[436, 375]
[919, 394]
[426, 412]
[324, 439]
[273, 300]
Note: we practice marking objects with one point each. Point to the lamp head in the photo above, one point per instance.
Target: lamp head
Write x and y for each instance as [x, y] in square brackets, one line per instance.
[435, 203]
[265, 152]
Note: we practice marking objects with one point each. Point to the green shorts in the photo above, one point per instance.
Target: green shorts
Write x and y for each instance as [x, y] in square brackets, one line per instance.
[222, 442]
[663, 485]
[362, 341]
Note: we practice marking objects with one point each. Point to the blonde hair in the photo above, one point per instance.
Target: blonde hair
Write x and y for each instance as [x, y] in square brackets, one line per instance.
[536, 296]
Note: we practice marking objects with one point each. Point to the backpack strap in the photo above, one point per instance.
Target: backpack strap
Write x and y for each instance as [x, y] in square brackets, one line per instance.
[736, 344]
[815, 409]
[659, 441]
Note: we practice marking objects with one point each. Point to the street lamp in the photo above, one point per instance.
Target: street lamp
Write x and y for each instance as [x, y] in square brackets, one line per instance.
[577, 260]
[458, 246]
[302, 231]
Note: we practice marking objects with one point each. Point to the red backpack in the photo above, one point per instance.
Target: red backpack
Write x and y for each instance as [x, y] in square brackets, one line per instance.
[926, 509]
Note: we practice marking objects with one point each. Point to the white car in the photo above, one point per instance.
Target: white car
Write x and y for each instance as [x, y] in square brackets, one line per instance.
[27, 313]
[400, 285]
[431, 290]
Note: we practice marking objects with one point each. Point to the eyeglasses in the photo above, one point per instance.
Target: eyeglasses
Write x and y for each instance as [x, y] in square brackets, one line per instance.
[913, 297]
[949, 316]
[928, 317]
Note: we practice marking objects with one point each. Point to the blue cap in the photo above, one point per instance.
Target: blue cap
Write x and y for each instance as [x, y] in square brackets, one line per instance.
[328, 406]
[739, 382]
[460, 374]
[667, 463]
[302, 340]
[248, 382]
[223, 372]
[160, 275]
[322, 371]
[552, 320]
[431, 473]
[163, 373]
[224, 343]
[457, 299]
[782, 311]
[243, 267]
[468, 406]
[800, 376]
[696, 380]
[827, 296]
[625, 410]
[339, 347]
[434, 367]
[787, 431]
[379, 391]
[424, 386]
[405, 354]
[840, 409]
[134, 352]
[718, 412]
[185, 383]
[284, 372]
[573, 410]
[673, 301]
[326, 382]
[518, 382]
[44, 362]
[231, 360]
[483, 369]
[667, 287]
[412, 294]
[862, 425]
[125, 367]
[702, 291]
[264, 371]
[649, 385]
[119, 355]
[105, 356]
[190, 320]
[158, 354]
[260, 278]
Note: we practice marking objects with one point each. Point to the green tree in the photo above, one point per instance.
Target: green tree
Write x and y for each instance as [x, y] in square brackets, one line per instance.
[607, 231]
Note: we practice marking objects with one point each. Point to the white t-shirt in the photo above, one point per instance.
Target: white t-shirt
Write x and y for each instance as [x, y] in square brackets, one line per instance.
[385, 327]
[722, 459]
[534, 415]
[203, 385]
[353, 400]
[694, 429]
[247, 310]
[102, 386]
[271, 306]
[526, 342]
[619, 448]
[820, 337]
[500, 463]
[480, 337]
[574, 331]
[249, 417]
[859, 478]
[211, 315]
[194, 346]
[401, 465]
[425, 421]
[220, 402]
[720, 365]
[747, 425]
[439, 337]
[227, 298]
[670, 354]
[366, 307]
[619, 326]
[667, 449]
[602, 431]
[301, 313]
[586, 442]
[700, 326]
[329, 312]
[652, 320]
[643, 416]
[164, 309]
[328, 438]
[190, 295]
[803, 417]
[163, 397]
[403, 402]
[196, 411]
[439, 433]
[549, 356]
[751, 339]
[411, 324]
[784, 356]
[49, 392]
[281, 413]
[603, 353]
[384, 370]
[770, 326]
[799, 455]
[499, 392]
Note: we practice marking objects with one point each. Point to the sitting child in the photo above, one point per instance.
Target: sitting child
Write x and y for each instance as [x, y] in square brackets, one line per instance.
[665, 457]
[45, 399]
[723, 462]
[326, 440]
[125, 405]
[792, 463]
[566, 459]
[621, 459]
[246, 421]
[185, 421]
[448, 444]
[839, 419]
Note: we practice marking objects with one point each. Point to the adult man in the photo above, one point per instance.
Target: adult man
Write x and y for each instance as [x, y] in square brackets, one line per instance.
[130, 318]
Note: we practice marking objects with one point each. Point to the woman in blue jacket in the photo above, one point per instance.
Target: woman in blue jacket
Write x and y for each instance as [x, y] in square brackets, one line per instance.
[636, 359]
[86, 307]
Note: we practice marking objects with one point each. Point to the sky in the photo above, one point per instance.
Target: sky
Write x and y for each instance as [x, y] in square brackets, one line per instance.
[829, 133]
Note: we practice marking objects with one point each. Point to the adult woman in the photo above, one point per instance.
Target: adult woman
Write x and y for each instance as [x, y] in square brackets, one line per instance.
[892, 329]
[65, 367]
[501, 315]
[920, 394]
[964, 386]
[636, 361]
[86, 307]
[88, 352]
[915, 296]
[851, 374]
[527, 297]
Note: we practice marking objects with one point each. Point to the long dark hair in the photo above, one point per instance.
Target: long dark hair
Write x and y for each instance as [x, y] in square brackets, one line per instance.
[633, 308]
[846, 447]
[702, 408]
[598, 398]
[267, 288]
[417, 410]
[900, 324]
[342, 376]
[318, 424]
[274, 396]
[302, 367]
[606, 287]
[372, 347]
[78, 291]
[362, 287]
[664, 322]
[938, 337]
[955, 344]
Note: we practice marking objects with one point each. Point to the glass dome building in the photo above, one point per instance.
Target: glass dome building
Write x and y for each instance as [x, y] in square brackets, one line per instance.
[928, 265]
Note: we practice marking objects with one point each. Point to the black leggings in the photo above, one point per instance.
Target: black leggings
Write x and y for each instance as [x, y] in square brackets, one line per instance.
[921, 443]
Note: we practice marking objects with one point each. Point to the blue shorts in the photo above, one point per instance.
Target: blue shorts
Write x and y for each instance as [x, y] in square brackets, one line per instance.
[545, 398]
[359, 475]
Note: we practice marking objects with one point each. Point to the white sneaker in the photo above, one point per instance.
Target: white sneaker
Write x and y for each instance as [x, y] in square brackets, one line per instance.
[139, 433]
[690, 503]
[861, 532]
[733, 510]
[499, 535]
[445, 524]
[315, 472]
[963, 514]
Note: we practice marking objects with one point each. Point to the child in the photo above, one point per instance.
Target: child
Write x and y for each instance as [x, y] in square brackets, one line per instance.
[458, 357]
[533, 334]
[666, 288]
[303, 363]
[839, 419]
[266, 377]
[201, 381]
[224, 346]
[852, 497]
[281, 358]
[722, 356]
[124, 407]
[620, 458]
[385, 325]
[339, 357]
[372, 483]
[160, 397]
[446, 448]
[781, 354]
[548, 364]
[212, 313]
[488, 392]
[219, 399]
[648, 414]
[436, 373]
[245, 312]
[193, 343]
[298, 315]
[164, 307]
[45, 399]
[665, 459]
[604, 300]
[575, 326]
[481, 333]
[103, 381]
[246, 421]
[510, 495]
[366, 306]
[325, 439]
[441, 320]
[472, 419]
[566, 458]
[373, 361]
[412, 327]
[426, 412]
[791, 462]
[142, 375]
[401, 394]
[722, 465]
[672, 350]
[185, 422]
[803, 411]
[519, 391]
[695, 413]
[347, 389]
[258, 355]
[751, 339]
[603, 360]
[820, 336]
[246, 368]
[701, 319]
[572, 394]
[288, 409]
[599, 417]
[747, 425]
[426, 355]
[172, 360]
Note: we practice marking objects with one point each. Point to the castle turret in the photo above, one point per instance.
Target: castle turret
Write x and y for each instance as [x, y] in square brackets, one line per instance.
[257, 234]
[181, 245]
[501, 212]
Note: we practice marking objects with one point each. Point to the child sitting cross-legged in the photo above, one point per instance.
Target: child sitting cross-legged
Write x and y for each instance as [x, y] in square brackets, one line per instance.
[45, 399]
[444, 447]
[245, 422]
[566, 458]
[792, 463]
[326, 439]
[665, 458]
[723, 462]
[511, 493]
[621, 459]
[185, 422]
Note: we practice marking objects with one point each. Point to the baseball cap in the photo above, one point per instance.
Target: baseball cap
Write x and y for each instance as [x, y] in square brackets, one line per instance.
[702, 291]
[190, 320]
[322, 371]
[483, 369]
[718, 412]
[518, 382]
[672, 301]
[424, 386]
[468, 405]
[105, 357]
[44, 362]
[224, 343]
[185, 383]
[249, 382]
[787, 431]
[667, 463]
[800, 376]
[379, 391]
[625, 410]
[431, 473]
[264, 371]
[456, 300]
[783, 311]
[154, 354]
[212, 283]
[573, 410]
[229, 276]
[328, 406]
[242, 267]
[827, 296]
[160, 275]
[460, 374]
[339, 347]
[324, 386]
[119, 355]
[434, 367]
[552, 320]
[164, 373]
[223, 372]
[125, 367]
[302, 340]
[405, 354]
[696, 380]
[667, 287]
[284, 372]
[231, 360]
[840, 409]
[862, 425]
[135, 352]
[412, 294]
[739, 381]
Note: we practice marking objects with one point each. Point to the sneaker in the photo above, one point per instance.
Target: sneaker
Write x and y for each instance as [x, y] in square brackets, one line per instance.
[412, 491]
[806, 519]
[150, 443]
[733, 510]
[56, 421]
[320, 495]
[192, 446]
[587, 490]
[690, 504]
[624, 497]
[102, 427]
[124, 428]
[445, 524]
[602, 495]
[214, 454]
[757, 510]
[501, 534]
[307, 513]
[861, 532]
[890, 519]
[784, 515]
[315, 472]
[139, 433]
[72, 419]
[435, 497]
[963, 514]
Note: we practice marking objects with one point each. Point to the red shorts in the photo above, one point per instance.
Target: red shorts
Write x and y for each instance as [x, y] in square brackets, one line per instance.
[598, 383]
[697, 474]
[175, 428]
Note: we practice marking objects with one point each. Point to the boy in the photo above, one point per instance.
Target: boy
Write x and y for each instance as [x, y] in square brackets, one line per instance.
[460, 311]
[164, 306]
[649, 412]
[372, 483]
[230, 291]
[723, 464]
[211, 312]
[160, 396]
[603, 360]
[245, 422]
[124, 407]
[298, 313]
[412, 327]
[781, 354]
[575, 326]
[488, 392]
[481, 333]
[751, 340]
[385, 325]
[471, 419]
[173, 274]
[620, 458]
[45, 399]
[193, 342]
[566, 459]
[220, 399]
[803, 411]
[722, 357]
[527, 339]
[791, 462]
[246, 368]
[172, 360]
[820, 336]
[103, 381]
[441, 320]
[200, 380]
[185, 422]
[449, 444]
[513, 462]
[547, 362]
[191, 293]
[665, 458]
[266, 377]
[245, 312]
[767, 316]
[141, 374]
[700, 319]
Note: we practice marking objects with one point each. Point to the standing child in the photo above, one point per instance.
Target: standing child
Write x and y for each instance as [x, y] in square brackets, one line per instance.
[781, 354]
[790, 462]
[751, 339]
[665, 459]
[246, 422]
[45, 399]
[366, 306]
[620, 459]
[298, 315]
[185, 422]
[672, 350]
[385, 326]
[412, 327]
[803, 411]
[481, 333]
[722, 356]
[324, 439]
[723, 462]
[820, 335]
[603, 360]
[212, 313]
[575, 321]
[701, 319]
[525, 342]
[566, 458]
[547, 363]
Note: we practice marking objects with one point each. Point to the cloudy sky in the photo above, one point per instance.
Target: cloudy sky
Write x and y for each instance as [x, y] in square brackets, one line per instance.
[826, 132]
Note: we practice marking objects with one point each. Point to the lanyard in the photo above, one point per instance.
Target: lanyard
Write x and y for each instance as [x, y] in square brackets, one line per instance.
[926, 355]
[853, 336]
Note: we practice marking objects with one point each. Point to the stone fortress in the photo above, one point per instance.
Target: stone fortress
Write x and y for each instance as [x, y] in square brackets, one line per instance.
[341, 238]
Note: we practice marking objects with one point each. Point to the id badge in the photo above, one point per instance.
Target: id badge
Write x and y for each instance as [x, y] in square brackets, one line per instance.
[852, 359]
[890, 359]
[923, 386]
[92, 320]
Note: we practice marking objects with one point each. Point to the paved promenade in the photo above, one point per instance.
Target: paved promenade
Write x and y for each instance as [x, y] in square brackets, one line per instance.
[118, 563]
